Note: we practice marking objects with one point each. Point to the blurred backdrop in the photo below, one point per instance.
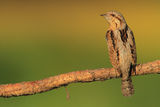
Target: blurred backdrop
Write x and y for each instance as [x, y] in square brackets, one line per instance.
[39, 39]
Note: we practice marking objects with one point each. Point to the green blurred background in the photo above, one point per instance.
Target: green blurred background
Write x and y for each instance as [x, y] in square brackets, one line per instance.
[39, 39]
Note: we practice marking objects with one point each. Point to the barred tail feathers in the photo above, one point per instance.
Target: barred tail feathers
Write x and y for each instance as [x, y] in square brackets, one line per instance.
[127, 87]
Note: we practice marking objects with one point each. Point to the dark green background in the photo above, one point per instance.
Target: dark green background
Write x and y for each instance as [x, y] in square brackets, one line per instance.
[39, 39]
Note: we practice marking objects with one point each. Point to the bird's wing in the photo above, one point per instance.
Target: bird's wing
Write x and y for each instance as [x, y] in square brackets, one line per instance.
[132, 46]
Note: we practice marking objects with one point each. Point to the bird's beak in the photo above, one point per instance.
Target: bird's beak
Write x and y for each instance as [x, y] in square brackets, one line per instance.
[103, 15]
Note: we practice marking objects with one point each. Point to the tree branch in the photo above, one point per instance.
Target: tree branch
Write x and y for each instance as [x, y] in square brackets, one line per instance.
[33, 87]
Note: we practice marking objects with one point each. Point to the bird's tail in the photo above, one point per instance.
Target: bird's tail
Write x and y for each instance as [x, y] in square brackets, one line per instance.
[127, 87]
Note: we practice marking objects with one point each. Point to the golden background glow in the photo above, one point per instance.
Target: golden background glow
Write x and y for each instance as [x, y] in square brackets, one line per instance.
[39, 39]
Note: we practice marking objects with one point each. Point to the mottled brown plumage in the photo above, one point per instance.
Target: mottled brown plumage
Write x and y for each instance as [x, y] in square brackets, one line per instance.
[122, 49]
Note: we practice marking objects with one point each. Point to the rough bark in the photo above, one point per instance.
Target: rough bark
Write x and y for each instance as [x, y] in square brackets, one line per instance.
[33, 87]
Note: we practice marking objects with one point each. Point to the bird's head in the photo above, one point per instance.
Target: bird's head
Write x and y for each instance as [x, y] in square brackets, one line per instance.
[115, 19]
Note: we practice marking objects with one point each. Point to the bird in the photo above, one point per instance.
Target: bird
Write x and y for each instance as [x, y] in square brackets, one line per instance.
[121, 49]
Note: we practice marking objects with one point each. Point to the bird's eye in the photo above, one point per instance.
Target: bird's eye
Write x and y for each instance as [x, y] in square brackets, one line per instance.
[112, 15]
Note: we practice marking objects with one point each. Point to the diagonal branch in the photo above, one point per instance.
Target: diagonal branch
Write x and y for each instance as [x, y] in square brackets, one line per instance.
[33, 87]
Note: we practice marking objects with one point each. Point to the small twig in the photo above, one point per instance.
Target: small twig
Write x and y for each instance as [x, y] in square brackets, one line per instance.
[33, 87]
[67, 92]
